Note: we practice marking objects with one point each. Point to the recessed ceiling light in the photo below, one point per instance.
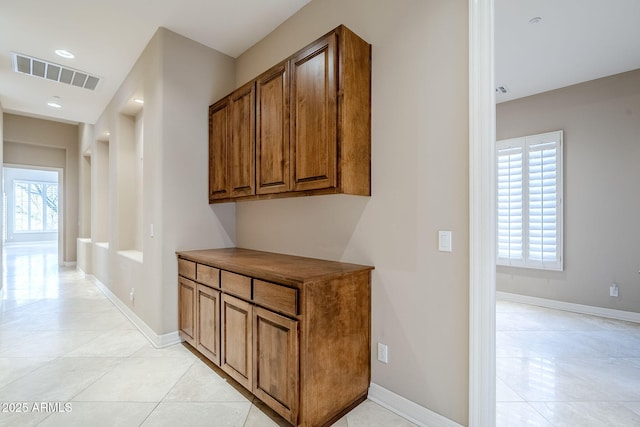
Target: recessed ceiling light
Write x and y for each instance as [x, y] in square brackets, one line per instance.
[55, 102]
[65, 54]
[138, 101]
[535, 20]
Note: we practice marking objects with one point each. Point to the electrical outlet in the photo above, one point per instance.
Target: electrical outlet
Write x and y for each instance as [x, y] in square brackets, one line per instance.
[613, 290]
[383, 353]
[132, 294]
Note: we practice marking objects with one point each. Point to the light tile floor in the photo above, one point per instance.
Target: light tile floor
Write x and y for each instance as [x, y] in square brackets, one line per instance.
[556, 368]
[63, 342]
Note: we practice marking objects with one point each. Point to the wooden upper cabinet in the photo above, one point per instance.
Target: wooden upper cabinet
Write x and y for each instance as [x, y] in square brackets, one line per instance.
[301, 128]
[272, 131]
[313, 114]
[242, 142]
[354, 113]
[218, 137]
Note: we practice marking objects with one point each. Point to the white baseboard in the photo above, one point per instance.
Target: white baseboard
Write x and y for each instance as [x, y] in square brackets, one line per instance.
[628, 316]
[69, 263]
[407, 409]
[158, 341]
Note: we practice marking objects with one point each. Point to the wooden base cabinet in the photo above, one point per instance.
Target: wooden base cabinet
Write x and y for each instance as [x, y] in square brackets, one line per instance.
[208, 325]
[294, 331]
[187, 309]
[275, 372]
[237, 354]
[199, 308]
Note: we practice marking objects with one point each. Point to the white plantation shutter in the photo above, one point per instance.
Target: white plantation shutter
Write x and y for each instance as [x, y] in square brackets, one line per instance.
[529, 201]
[510, 203]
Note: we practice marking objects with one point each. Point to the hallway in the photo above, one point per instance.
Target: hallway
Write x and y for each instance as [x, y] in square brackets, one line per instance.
[64, 344]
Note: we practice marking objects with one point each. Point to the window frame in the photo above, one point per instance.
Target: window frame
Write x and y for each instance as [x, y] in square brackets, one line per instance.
[524, 143]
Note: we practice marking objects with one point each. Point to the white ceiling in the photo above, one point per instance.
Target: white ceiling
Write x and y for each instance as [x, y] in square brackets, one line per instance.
[107, 38]
[576, 41]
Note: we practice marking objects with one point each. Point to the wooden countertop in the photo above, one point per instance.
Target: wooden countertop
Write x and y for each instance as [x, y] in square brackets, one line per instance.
[286, 269]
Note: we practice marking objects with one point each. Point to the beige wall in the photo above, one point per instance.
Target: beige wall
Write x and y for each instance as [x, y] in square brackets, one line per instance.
[601, 123]
[419, 186]
[193, 77]
[85, 132]
[37, 142]
[178, 79]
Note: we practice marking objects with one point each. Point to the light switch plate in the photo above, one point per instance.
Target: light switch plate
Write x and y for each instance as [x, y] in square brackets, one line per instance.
[444, 241]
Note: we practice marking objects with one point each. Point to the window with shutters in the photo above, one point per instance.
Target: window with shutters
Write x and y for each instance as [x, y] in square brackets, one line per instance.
[529, 201]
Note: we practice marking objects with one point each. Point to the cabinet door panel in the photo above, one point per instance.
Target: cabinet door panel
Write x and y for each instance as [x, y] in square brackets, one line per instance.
[242, 142]
[272, 136]
[314, 116]
[276, 375]
[208, 314]
[236, 343]
[187, 309]
[218, 146]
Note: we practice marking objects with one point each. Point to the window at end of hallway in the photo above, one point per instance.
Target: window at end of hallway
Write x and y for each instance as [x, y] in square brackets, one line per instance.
[36, 207]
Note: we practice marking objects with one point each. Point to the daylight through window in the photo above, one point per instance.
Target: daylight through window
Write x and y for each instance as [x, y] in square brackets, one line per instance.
[36, 207]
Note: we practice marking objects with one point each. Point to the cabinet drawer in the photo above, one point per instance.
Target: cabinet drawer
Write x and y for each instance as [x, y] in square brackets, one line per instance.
[276, 297]
[236, 284]
[209, 276]
[187, 268]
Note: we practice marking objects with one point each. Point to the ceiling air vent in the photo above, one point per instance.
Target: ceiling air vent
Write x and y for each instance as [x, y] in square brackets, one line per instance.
[55, 72]
[501, 90]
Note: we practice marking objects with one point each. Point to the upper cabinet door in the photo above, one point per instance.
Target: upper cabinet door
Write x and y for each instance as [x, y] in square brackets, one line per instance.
[272, 135]
[242, 141]
[314, 116]
[218, 146]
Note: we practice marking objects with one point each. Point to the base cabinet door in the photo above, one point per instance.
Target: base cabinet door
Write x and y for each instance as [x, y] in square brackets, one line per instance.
[276, 356]
[208, 326]
[187, 310]
[236, 347]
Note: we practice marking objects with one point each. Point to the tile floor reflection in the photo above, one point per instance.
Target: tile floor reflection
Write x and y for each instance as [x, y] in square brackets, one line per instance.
[62, 340]
[556, 368]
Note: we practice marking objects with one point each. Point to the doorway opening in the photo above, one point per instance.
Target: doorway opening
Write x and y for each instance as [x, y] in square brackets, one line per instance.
[32, 213]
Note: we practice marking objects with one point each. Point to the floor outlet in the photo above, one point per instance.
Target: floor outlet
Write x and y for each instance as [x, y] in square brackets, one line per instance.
[382, 353]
